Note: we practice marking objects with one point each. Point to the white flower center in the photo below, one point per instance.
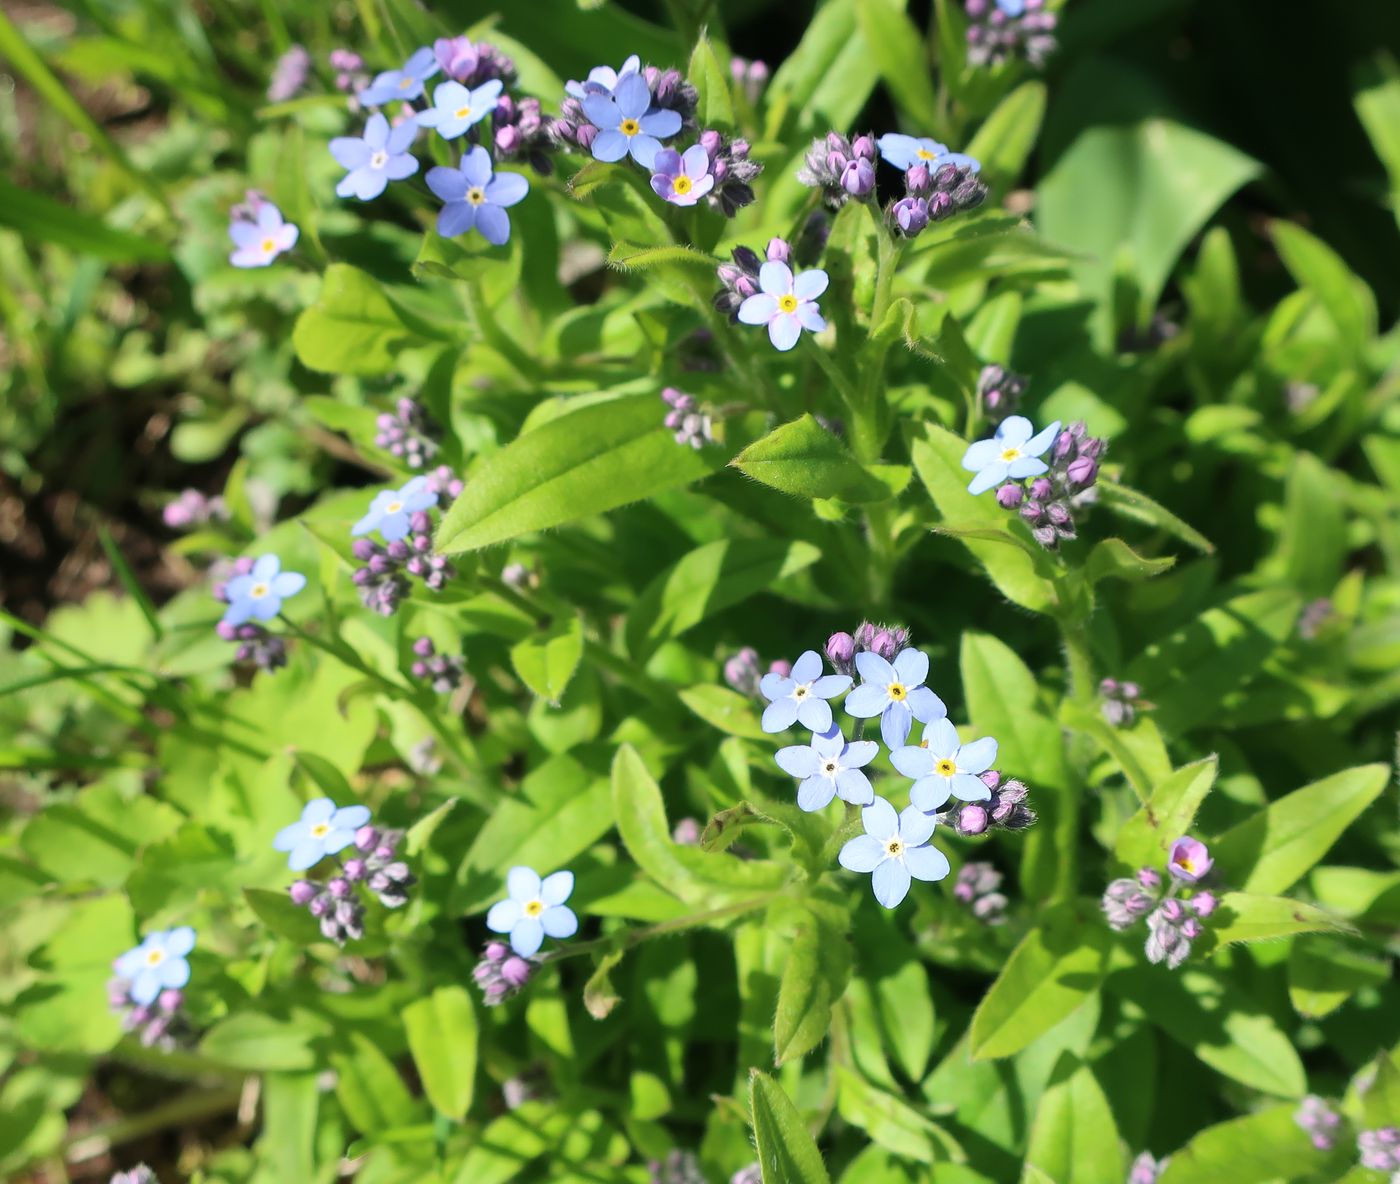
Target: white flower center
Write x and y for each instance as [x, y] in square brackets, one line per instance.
[476, 195]
[831, 768]
[379, 159]
[801, 691]
[893, 848]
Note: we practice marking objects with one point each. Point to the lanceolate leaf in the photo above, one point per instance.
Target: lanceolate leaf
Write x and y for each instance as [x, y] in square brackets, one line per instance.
[805, 459]
[787, 1153]
[442, 1034]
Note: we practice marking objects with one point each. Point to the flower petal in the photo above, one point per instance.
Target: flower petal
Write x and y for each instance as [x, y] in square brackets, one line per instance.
[376, 133]
[929, 793]
[859, 753]
[503, 915]
[447, 184]
[556, 889]
[602, 112]
[967, 788]
[880, 820]
[1038, 443]
[318, 810]
[661, 124]
[810, 317]
[179, 941]
[829, 742]
[854, 787]
[757, 309]
[831, 685]
[862, 854]
[266, 568]
[350, 152]
[925, 705]
[866, 700]
[810, 284]
[979, 756]
[775, 686]
[994, 474]
[941, 738]
[1015, 429]
[915, 826]
[815, 714]
[398, 168]
[797, 760]
[978, 456]
[559, 921]
[926, 863]
[307, 853]
[173, 973]
[696, 161]
[289, 836]
[898, 150]
[1026, 466]
[775, 278]
[523, 883]
[505, 189]
[493, 223]
[456, 217]
[874, 668]
[350, 817]
[146, 987]
[401, 137]
[288, 583]
[632, 97]
[779, 715]
[911, 666]
[526, 936]
[890, 882]
[895, 723]
[815, 793]
[911, 760]
[807, 667]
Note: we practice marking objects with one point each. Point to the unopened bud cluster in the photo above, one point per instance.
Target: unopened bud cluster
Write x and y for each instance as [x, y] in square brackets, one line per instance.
[406, 433]
[1380, 1150]
[670, 91]
[157, 1024]
[842, 169]
[934, 194]
[1000, 391]
[501, 974]
[885, 641]
[193, 509]
[999, 30]
[1319, 1121]
[140, 1174]
[1173, 921]
[350, 73]
[732, 170]
[743, 674]
[443, 672]
[1005, 809]
[1146, 1169]
[692, 424]
[373, 866]
[1120, 701]
[1047, 503]
[679, 1167]
[385, 578]
[739, 279]
[749, 76]
[978, 886]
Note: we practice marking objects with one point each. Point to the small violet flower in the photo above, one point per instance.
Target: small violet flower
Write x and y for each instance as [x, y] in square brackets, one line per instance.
[1013, 453]
[476, 197]
[800, 697]
[603, 80]
[260, 592]
[374, 159]
[405, 84]
[1189, 860]
[894, 848]
[830, 768]
[896, 693]
[323, 829]
[943, 768]
[391, 512]
[627, 124]
[157, 964]
[455, 108]
[904, 152]
[786, 304]
[682, 179]
[534, 908]
[257, 243]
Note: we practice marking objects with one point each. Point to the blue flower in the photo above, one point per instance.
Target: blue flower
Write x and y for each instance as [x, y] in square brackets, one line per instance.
[157, 964]
[801, 697]
[401, 84]
[259, 241]
[1009, 455]
[904, 152]
[627, 124]
[787, 305]
[375, 159]
[603, 80]
[391, 512]
[895, 693]
[533, 909]
[895, 848]
[455, 108]
[943, 768]
[261, 592]
[1012, 7]
[476, 197]
[829, 767]
[321, 830]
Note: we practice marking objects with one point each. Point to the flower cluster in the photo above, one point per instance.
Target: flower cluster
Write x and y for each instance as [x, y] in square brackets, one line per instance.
[1319, 1121]
[406, 434]
[1380, 1150]
[1146, 1169]
[1014, 455]
[743, 674]
[401, 518]
[289, 74]
[840, 168]
[679, 1167]
[325, 830]
[255, 594]
[999, 392]
[884, 641]
[349, 70]
[146, 988]
[259, 232]
[938, 183]
[1173, 922]
[616, 114]
[445, 674]
[140, 1174]
[999, 30]
[1120, 701]
[749, 76]
[534, 909]
[978, 886]
[501, 974]
[193, 508]
[692, 424]
[765, 292]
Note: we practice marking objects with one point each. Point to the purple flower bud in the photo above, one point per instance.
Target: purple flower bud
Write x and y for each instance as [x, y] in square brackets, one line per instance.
[366, 838]
[1191, 929]
[972, 820]
[910, 215]
[1130, 690]
[1058, 514]
[1010, 495]
[1042, 490]
[226, 631]
[169, 1000]
[1172, 910]
[1203, 903]
[779, 251]
[355, 869]
[782, 668]
[686, 832]
[423, 647]
[711, 141]
[340, 888]
[991, 778]
[858, 178]
[496, 951]
[320, 906]
[863, 147]
[1189, 860]
[1064, 445]
[841, 648]
[303, 892]
[1082, 472]
[1149, 878]
[516, 971]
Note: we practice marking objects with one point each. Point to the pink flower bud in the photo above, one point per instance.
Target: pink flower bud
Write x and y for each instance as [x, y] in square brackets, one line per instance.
[516, 971]
[1010, 495]
[779, 251]
[973, 819]
[1203, 903]
[366, 838]
[841, 648]
[496, 951]
[781, 667]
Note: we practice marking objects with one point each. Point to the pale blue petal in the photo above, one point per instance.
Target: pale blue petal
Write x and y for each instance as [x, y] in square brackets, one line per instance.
[337, 840]
[1015, 429]
[915, 827]
[866, 700]
[317, 810]
[179, 941]
[925, 705]
[929, 793]
[890, 882]
[874, 668]
[775, 278]
[895, 724]
[779, 715]
[493, 224]
[809, 284]
[288, 583]
[862, 854]
[831, 685]
[556, 889]
[978, 456]
[523, 884]
[912, 760]
[609, 146]
[808, 667]
[854, 787]
[757, 309]
[602, 112]
[559, 921]
[911, 666]
[775, 686]
[663, 124]
[829, 742]
[289, 836]
[926, 863]
[815, 793]
[1026, 466]
[632, 96]
[941, 738]
[644, 149]
[350, 817]
[1042, 440]
[173, 973]
[503, 915]
[783, 331]
[266, 568]
[526, 936]
[798, 760]
[880, 820]
[146, 987]
[307, 853]
[815, 714]
[859, 753]
[968, 788]
[994, 474]
[979, 756]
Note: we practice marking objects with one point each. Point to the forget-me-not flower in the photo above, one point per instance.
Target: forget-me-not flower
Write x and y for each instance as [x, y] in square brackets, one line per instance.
[786, 304]
[1012, 7]
[392, 510]
[904, 152]
[682, 179]
[896, 693]
[260, 592]
[374, 159]
[627, 123]
[533, 908]
[455, 108]
[801, 697]
[157, 964]
[944, 768]
[829, 767]
[323, 829]
[405, 83]
[1189, 860]
[476, 197]
[894, 848]
[603, 80]
[258, 242]
[1013, 453]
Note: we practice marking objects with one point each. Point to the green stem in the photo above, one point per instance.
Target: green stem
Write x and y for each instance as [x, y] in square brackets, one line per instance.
[184, 1110]
[628, 938]
[886, 265]
[1079, 663]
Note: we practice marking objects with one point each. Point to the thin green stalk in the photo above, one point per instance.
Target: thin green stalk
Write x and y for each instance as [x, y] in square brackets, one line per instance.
[888, 255]
[1079, 663]
[626, 939]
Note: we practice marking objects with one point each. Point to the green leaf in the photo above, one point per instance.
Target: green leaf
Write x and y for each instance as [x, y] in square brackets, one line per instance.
[369, 1088]
[724, 709]
[707, 581]
[891, 1122]
[1165, 816]
[787, 1153]
[1054, 969]
[254, 1041]
[814, 978]
[442, 1035]
[983, 527]
[1129, 503]
[1243, 916]
[1138, 750]
[804, 459]
[630, 257]
[1004, 142]
[711, 82]
[583, 462]
[278, 913]
[1114, 559]
[897, 48]
[1259, 1148]
[599, 994]
[1313, 540]
[1377, 103]
[41, 219]
[1074, 1139]
[1345, 299]
[1278, 846]
[1323, 973]
[354, 327]
[547, 660]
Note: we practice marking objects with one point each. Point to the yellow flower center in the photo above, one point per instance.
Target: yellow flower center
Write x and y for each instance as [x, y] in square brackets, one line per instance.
[1010, 454]
[155, 957]
[897, 691]
[405, 83]
[393, 507]
[787, 303]
[925, 154]
[945, 767]
[269, 246]
[682, 185]
[894, 848]
[629, 127]
[258, 591]
[320, 830]
[534, 908]
[1186, 865]
[461, 113]
[476, 195]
